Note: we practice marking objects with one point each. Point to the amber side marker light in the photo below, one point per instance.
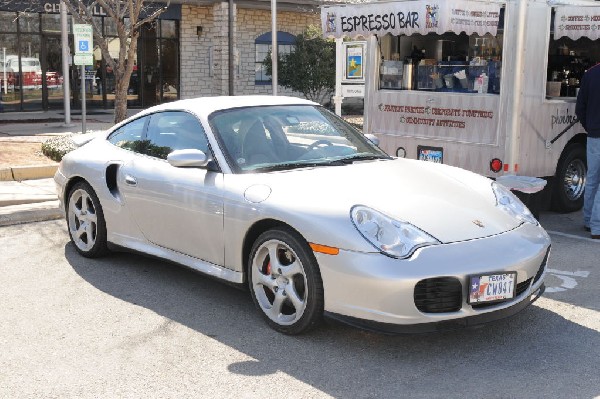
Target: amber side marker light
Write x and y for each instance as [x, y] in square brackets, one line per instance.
[324, 249]
[495, 165]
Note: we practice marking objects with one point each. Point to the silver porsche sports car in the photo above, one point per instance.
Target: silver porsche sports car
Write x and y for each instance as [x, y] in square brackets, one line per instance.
[283, 196]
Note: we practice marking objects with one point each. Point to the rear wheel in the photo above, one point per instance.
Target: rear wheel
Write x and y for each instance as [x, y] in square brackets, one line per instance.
[85, 221]
[570, 179]
[285, 282]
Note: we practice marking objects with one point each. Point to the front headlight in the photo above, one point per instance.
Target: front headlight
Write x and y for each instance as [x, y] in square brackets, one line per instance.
[509, 203]
[391, 237]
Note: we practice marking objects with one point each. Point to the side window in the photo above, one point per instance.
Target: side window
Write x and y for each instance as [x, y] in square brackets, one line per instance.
[174, 130]
[129, 136]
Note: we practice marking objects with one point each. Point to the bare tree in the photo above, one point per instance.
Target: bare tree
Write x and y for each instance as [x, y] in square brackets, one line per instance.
[128, 17]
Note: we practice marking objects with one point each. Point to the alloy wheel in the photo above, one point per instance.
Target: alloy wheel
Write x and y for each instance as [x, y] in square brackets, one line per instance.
[83, 221]
[279, 282]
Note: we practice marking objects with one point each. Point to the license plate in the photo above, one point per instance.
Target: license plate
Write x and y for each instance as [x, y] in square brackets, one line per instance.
[487, 288]
[430, 154]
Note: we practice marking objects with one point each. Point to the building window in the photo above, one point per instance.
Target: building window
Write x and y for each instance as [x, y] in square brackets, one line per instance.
[285, 44]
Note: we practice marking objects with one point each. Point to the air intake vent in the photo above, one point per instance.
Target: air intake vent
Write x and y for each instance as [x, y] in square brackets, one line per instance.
[438, 295]
[542, 267]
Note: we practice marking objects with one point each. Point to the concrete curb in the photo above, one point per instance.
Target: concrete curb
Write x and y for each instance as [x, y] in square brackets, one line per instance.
[32, 172]
[28, 213]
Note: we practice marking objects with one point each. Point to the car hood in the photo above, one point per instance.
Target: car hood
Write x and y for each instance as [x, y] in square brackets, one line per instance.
[451, 204]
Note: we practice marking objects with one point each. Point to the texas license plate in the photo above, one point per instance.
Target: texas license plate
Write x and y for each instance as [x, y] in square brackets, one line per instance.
[487, 288]
[430, 154]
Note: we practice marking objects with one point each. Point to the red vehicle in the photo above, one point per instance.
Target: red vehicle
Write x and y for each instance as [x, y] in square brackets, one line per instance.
[30, 73]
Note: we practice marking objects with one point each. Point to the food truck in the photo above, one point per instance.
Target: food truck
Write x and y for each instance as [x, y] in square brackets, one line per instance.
[482, 85]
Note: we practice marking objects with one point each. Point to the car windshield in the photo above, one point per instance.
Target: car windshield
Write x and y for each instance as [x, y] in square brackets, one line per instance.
[280, 137]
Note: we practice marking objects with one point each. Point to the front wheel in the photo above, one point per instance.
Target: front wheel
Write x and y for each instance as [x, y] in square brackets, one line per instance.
[85, 221]
[285, 282]
[570, 179]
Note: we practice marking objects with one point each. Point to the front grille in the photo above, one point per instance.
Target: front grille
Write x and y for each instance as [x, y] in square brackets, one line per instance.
[542, 267]
[438, 295]
[522, 287]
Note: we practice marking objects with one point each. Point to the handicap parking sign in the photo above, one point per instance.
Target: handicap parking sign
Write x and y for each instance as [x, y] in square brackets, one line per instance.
[84, 46]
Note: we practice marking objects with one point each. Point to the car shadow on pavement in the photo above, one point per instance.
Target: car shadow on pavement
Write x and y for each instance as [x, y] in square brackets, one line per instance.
[532, 354]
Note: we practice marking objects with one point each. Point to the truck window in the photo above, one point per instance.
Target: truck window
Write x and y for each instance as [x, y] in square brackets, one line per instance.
[568, 58]
[450, 62]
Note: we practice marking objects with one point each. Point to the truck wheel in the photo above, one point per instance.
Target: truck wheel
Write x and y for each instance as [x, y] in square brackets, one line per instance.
[570, 179]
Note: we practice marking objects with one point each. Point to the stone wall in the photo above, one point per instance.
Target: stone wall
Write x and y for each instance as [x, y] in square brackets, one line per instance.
[253, 23]
[198, 78]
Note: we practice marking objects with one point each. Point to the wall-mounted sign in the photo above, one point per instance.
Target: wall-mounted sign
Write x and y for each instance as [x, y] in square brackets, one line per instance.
[409, 17]
[577, 22]
[354, 62]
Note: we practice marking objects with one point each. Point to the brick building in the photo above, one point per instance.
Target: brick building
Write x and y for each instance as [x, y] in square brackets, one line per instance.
[185, 54]
[204, 44]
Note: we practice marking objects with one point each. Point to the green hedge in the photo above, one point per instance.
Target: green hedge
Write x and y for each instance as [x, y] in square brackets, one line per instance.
[56, 147]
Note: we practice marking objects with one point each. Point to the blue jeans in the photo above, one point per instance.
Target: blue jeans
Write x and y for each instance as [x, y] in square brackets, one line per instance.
[591, 199]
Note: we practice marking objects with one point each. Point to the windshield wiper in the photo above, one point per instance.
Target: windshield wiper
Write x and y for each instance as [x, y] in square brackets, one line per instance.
[295, 165]
[363, 157]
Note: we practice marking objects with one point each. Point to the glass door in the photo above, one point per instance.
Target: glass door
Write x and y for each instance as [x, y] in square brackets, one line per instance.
[52, 76]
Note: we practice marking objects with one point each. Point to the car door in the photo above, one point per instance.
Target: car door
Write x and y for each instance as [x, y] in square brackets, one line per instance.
[180, 209]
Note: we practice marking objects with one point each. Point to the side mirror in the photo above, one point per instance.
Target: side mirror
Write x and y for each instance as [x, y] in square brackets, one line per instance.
[373, 139]
[188, 159]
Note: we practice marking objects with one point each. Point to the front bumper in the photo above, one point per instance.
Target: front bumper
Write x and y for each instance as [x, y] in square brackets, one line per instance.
[446, 325]
[366, 288]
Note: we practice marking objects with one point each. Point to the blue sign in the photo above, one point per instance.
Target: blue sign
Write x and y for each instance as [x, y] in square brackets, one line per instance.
[84, 46]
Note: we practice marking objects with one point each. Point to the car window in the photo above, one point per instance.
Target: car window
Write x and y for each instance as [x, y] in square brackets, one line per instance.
[264, 138]
[129, 136]
[174, 130]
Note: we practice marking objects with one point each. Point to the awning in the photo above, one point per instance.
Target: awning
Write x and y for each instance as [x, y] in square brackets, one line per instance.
[577, 22]
[408, 17]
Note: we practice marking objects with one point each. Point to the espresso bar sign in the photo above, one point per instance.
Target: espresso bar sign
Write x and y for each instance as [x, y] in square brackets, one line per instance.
[409, 17]
[577, 22]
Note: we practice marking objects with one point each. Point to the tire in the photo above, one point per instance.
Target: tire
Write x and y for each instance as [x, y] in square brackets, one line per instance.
[288, 291]
[85, 221]
[569, 181]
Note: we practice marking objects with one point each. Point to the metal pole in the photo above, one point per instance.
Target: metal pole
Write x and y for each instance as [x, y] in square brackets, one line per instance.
[231, 42]
[65, 63]
[4, 66]
[274, 44]
[83, 99]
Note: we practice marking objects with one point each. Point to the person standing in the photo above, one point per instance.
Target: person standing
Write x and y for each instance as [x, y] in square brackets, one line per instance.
[588, 113]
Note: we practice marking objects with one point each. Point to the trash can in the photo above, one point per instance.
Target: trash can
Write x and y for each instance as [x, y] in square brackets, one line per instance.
[527, 189]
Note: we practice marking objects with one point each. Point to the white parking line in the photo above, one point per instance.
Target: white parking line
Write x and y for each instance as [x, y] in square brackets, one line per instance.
[568, 282]
[558, 233]
[583, 316]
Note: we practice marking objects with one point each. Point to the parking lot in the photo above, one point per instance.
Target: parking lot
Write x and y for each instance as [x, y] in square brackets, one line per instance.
[132, 326]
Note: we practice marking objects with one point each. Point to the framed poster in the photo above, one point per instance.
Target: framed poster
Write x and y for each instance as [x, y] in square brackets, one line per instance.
[354, 65]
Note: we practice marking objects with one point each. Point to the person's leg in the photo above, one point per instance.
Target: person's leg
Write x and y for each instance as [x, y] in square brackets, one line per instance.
[591, 207]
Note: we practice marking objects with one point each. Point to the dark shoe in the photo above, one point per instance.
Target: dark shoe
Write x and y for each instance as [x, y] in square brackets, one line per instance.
[587, 228]
[596, 236]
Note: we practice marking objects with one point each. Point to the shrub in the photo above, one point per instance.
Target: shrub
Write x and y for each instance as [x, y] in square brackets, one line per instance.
[56, 147]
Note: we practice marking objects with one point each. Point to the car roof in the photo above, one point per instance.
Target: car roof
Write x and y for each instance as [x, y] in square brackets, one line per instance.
[204, 106]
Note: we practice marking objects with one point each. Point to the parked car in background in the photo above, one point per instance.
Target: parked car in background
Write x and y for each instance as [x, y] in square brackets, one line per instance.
[29, 73]
[283, 196]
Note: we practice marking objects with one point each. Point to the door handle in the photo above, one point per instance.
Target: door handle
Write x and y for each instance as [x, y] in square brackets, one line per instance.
[130, 180]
